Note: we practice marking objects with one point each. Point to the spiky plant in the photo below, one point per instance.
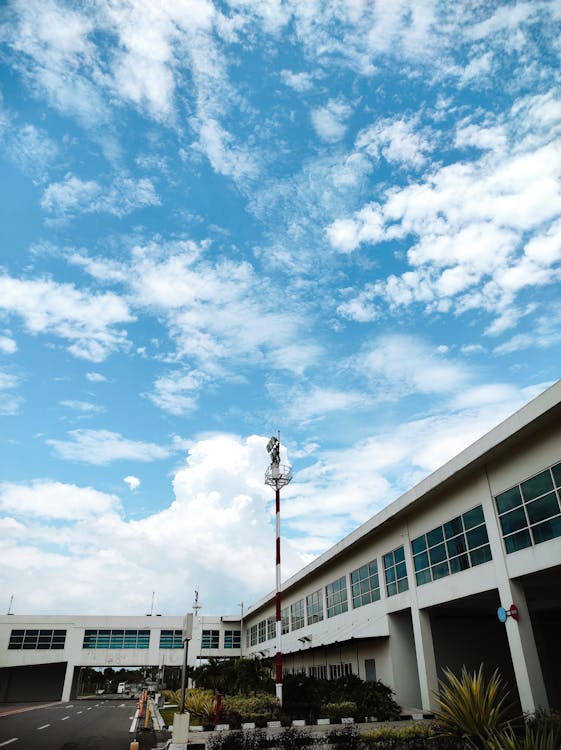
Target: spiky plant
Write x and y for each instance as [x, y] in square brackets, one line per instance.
[471, 707]
[534, 738]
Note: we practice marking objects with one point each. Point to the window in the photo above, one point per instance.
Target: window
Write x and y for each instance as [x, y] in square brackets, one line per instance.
[271, 628]
[529, 513]
[210, 639]
[318, 671]
[297, 614]
[339, 670]
[37, 639]
[262, 631]
[253, 635]
[314, 607]
[336, 597]
[395, 572]
[365, 586]
[171, 639]
[232, 639]
[455, 546]
[116, 639]
[285, 621]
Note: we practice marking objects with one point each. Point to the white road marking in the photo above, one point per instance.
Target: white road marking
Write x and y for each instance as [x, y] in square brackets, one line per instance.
[8, 742]
[90, 708]
[43, 727]
[80, 712]
[64, 718]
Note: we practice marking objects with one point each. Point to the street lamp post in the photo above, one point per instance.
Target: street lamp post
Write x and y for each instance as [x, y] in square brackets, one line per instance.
[277, 476]
[186, 636]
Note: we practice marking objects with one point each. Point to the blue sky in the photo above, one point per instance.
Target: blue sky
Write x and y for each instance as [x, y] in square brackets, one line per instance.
[340, 220]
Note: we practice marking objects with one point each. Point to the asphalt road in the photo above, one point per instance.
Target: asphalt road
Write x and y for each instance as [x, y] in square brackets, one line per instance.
[78, 725]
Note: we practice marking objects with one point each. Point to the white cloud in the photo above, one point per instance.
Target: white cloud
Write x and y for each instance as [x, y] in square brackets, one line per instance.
[101, 447]
[133, 483]
[318, 402]
[73, 196]
[399, 365]
[221, 510]
[7, 345]
[87, 321]
[96, 377]
[300, 82]
[400, 141]
[85, 407]
[177, 393]
[55, 500]
[9, 402]
[329, 121]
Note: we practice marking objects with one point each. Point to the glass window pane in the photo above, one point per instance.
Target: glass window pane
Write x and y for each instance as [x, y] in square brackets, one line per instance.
[509, 500]
[537, 486]
[513, 521]
[419, 544]
[392, 589]
[401, 570]
[399, 555]
[546, 507]
[403, 585]
[478, 536]
[518, 541]
[421, 561]
[437, 554]
[481, 555]
[473, 517]
[435, 536]
[440, 571]
[457, 564]
[547, 530]
[453, 527]
[457, 545]
[390, 575]
[423, 577]
[557, 475]
[388, 560]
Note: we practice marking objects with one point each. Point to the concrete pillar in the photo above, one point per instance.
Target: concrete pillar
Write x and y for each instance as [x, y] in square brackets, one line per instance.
[403, 660]
[426, 661]
[522, 644]
[520, 635]
[68, 678]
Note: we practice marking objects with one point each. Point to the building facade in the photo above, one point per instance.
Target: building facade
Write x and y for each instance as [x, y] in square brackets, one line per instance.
[409, 593]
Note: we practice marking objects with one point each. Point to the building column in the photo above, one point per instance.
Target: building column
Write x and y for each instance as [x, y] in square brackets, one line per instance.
[403, 659]
[523, 650]
[68, 678]
[426, 661]
[520, 634]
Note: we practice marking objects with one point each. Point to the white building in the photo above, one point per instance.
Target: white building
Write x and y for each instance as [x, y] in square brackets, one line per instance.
[413, 590]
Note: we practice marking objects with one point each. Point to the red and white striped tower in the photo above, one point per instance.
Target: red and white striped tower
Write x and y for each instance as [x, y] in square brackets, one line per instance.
[277, 476]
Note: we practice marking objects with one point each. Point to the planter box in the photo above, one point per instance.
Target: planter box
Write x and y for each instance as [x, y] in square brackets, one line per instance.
[273, 724]
[323, 721]
[196, 728]
[248, 725]
[348, 720]
[370, 719]
[221, 727]
[298, 722]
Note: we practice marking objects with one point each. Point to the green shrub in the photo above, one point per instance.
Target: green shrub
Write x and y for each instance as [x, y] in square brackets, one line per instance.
[238, 709]
[409, 732]
[345, 738]
[237, 740]
[336, 711]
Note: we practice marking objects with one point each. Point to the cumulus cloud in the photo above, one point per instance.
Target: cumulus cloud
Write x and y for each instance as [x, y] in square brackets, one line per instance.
[220, 510]
[7, 345]
[177, 393]
[102, 447]
[9, 401]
